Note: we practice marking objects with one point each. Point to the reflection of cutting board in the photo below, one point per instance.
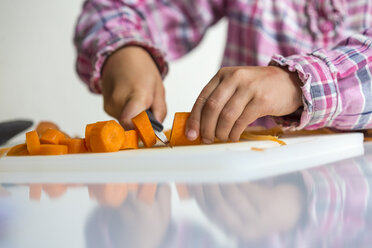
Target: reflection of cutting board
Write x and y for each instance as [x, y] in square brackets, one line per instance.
[219, 162]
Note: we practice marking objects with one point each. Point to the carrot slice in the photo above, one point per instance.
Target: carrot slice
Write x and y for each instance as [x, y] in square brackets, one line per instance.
[35, 191]
[52, 136]
[106, 137]
[88, 131]
[47, 149]
[130, 140]
[43, 126]
[147, 193]
[18, 150]
[178, 136]
[167, 133]
[143, 125]
[75, 145]
[33, 142]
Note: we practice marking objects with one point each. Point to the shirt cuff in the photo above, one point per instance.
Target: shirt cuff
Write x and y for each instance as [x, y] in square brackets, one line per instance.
[319, 91]
[157, 55]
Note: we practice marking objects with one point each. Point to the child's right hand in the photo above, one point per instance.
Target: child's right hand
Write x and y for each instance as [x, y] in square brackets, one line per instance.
[131, 83]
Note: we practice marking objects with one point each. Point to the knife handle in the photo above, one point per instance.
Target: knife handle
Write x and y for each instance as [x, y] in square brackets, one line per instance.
[10, 129]
[154, 123]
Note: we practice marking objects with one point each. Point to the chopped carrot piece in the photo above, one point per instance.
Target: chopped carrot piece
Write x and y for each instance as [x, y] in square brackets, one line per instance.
[183, 192]
[43, 126]
[130, 140]
[35, 191]
[47, 149]
[75, 145]
[33, 142]
[147, 192]
[143, 125]
[18, 150]
[106, 137]
[88, 131]
[52, 136]
[178, 136]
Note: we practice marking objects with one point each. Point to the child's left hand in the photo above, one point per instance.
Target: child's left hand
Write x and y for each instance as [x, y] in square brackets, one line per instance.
[237, 96]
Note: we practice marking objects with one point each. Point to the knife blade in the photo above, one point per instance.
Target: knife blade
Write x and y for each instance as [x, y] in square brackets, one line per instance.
[158, 127]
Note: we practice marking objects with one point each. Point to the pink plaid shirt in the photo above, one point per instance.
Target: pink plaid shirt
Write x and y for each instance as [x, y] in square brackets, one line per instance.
[328, 43]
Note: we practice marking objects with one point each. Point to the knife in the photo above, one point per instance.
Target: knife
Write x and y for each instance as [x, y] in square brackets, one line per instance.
[10, 129]
[158, 127]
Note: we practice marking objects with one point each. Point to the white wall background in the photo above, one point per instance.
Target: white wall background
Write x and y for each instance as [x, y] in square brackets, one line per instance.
[37, 57]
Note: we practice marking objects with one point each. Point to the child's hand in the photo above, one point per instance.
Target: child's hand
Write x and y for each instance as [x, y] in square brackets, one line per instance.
[131, 83]
[237, 96]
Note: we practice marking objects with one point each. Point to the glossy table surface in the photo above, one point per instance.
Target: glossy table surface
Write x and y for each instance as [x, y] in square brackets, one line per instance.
[326, 206]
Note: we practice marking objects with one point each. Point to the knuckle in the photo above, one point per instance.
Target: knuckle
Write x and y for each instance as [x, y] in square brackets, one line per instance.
[238, 73]
[201, 100]
[221, 71]
[240, 122]
[262, 98]
[227, 115]
[211, 104]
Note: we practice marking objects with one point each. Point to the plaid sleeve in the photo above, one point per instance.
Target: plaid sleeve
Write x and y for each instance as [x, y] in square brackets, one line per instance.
[166, 29]
[337, 84]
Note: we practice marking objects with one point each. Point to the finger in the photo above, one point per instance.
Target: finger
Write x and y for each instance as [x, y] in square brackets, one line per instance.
[159, 107]
[212, 109]
[250, 114]
[230, 113]
[137, 103]
[114, 100]
[193, 123]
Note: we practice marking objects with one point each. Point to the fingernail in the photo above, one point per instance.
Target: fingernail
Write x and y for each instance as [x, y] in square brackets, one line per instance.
[191, 134]
[206, 141]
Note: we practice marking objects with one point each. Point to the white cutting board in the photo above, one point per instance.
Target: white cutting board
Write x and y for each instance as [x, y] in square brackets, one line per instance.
[206, 163]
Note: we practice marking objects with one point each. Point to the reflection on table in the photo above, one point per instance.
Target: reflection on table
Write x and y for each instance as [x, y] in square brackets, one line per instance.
[328, 206]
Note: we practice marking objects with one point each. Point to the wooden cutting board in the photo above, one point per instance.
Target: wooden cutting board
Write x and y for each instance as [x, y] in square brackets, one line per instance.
[205, 163]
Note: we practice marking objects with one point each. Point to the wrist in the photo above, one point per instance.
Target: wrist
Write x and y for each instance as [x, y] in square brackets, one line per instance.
[295, 82]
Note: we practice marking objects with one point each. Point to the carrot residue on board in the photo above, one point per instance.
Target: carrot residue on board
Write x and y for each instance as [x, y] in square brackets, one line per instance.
[257, 149]
[249, 136]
